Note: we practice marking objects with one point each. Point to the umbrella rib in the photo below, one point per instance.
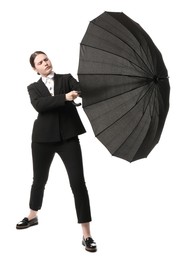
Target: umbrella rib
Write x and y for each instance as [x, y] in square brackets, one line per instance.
[117, 94]
[112, 74]
[117, 56]
[137, 123]
[148, 90]
[125, 43]
[136, 39]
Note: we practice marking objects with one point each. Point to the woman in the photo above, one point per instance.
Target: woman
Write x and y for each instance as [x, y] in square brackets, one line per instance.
[56, 130]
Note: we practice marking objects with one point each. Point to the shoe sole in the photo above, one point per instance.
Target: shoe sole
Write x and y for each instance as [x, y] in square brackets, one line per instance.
[91, 250]
[88, 249]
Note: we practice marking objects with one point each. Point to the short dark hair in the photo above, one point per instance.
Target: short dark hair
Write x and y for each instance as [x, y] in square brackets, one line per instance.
[33, 56]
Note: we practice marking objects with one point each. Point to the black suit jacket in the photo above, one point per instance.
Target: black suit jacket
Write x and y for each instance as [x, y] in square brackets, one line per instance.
[57, 119]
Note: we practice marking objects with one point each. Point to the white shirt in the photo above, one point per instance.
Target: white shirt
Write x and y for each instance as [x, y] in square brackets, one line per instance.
[49, 82]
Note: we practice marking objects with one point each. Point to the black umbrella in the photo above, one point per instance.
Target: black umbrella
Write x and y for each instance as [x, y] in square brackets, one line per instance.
[124, 85]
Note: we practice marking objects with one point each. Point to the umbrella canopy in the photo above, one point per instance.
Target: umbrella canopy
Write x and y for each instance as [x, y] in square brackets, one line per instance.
[124, 85]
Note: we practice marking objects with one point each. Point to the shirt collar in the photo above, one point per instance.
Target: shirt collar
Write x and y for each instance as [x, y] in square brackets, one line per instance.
[50, 76]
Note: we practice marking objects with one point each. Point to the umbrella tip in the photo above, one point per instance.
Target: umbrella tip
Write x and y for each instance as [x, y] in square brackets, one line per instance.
[155, 79]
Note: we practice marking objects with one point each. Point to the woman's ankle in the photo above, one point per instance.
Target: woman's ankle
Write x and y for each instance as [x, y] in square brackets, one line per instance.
[32, 214]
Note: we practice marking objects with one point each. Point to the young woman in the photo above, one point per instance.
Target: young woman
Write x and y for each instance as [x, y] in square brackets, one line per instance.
[56, 130]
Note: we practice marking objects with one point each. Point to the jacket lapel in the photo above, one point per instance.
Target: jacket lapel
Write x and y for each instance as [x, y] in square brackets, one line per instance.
[42, 88]
[57, 84]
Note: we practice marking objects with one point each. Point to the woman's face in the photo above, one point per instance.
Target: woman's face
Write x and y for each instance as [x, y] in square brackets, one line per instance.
[43, 65]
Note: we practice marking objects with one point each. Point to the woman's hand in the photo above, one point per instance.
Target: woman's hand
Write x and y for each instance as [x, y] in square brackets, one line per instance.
[72, 95]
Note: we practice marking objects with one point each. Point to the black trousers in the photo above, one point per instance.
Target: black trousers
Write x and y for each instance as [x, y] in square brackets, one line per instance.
[70, 153]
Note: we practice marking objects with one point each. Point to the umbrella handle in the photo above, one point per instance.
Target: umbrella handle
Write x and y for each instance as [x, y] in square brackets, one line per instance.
[75, 104]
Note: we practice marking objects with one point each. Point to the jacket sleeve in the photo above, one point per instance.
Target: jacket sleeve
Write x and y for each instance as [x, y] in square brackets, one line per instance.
[44, 104]
[73, 83]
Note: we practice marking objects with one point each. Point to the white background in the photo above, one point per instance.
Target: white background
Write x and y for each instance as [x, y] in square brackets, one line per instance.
[138, 209]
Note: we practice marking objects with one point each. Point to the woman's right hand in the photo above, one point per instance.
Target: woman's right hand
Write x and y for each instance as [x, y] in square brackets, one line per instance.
[72, 95]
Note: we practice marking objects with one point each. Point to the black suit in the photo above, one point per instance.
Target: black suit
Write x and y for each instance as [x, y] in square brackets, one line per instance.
[56, 130]
[57, 119]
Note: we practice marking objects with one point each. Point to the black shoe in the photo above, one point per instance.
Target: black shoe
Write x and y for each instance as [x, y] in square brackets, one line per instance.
[89, 244]
[25, 223]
